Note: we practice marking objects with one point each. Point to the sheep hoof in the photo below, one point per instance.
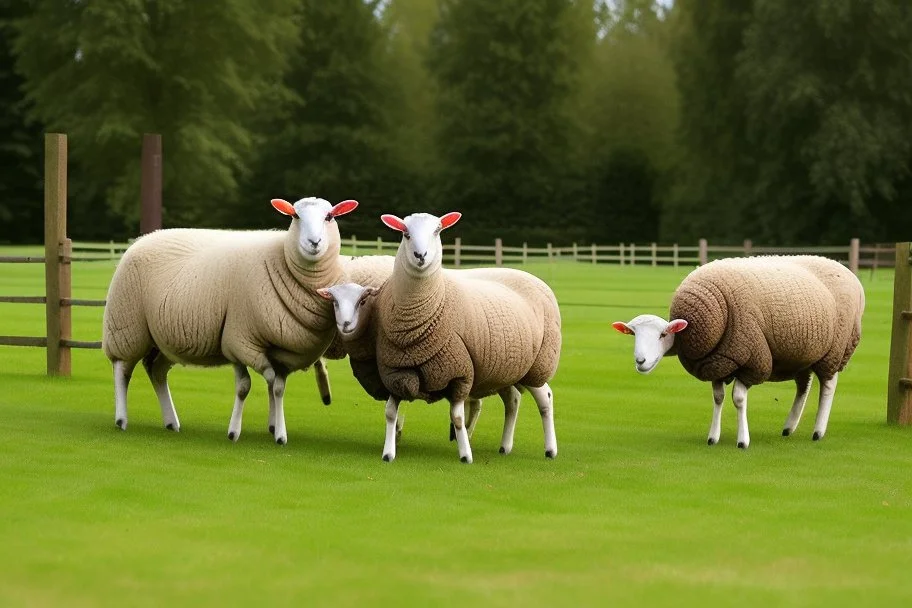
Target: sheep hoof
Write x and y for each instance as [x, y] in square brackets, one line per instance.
[272, 429]
[464, 459]
[817, 436]
[710, 441]
[280, 440]
[742, 445]
[231, 435]
[502, 450]
[387, 458]
[786, 432]
[550, 454]
[171, 427]
[121, 424]
[327, 399]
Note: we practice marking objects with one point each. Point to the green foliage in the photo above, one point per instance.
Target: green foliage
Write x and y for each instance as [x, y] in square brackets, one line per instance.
[505, 72]
[106, 72]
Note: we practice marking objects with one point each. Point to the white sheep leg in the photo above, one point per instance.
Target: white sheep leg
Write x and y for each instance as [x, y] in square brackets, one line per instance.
[241, 390]
[392, 414]
[322, 375]
[158, 369]
[511, 397]
[827, 390]
[272, 411]
[474, 407]
[400, 422]
[715, 426]
[123, 371]
[545, 401]
[457, 417]
[803, 385]
[739, 396]
[276, 383]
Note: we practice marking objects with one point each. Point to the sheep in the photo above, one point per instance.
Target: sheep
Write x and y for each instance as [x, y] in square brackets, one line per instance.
[454, 337]
[214, 297]
[758, 319]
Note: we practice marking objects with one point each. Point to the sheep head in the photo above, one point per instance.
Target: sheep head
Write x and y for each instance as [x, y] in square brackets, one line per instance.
[653, 337]
[348, 306]
[313, 224]
[421, 250]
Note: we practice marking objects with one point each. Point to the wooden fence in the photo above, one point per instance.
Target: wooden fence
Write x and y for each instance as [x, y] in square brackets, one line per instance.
[899, 390]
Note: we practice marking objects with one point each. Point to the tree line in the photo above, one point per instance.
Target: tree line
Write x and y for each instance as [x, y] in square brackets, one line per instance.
[541, 120]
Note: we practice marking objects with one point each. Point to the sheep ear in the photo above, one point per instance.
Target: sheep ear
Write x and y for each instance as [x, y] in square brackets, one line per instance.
[370, 291]
[449, 219]
[676, 326]
[393, 222]
[343, 208]
[325, 293]
[622, 327]
[284, 207]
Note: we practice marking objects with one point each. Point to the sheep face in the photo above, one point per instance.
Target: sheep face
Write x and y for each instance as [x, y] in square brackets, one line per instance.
[348, 306]
[421, 249]
[315, 228]
[653, 337]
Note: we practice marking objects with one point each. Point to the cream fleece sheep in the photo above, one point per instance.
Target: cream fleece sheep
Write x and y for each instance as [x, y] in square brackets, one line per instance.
[444, 335]
[213, 297]
[752, 320]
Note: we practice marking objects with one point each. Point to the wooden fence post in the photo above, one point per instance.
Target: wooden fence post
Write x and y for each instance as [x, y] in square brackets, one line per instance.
[525, 252]
[549, 252]
[56, 246]
[748, 247]
[654, 254]
[704, 253]
[354, 245]
[498, 252]
[899, 390]
[674, 255]
[575, 253]
[150, 218]
[457, 252]
[594, 254]
[633, 253]
[379, 245]
[854, 247]
[621, 253]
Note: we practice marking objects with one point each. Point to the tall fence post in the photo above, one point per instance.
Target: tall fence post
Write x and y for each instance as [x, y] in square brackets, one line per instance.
[633, 254]
[748, 247]
[594, 254]
[379, 245]
[621, 253]
[549, 252]
[674, 255]
[457, 252]
[151, 189]
[854, 250]
[498, 252]
[354, 245]
[525, 252]
[704, 252]
[654, 254]
[575, 252]
[899, 391]
[57, 250]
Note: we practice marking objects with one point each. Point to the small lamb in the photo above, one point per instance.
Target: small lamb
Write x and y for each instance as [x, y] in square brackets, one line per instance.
[758, 319]
[447, 335]
[214, 297]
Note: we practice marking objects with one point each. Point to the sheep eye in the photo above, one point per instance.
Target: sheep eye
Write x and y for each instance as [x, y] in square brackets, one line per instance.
[329, 217]
[360, 302]
[436, 232]
[406, 235]
[662, 335]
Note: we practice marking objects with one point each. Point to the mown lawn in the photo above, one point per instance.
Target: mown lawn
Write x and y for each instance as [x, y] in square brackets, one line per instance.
[636, 509]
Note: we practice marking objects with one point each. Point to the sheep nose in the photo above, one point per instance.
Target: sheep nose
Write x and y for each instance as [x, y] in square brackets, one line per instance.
[641, 360]
[313, 242]
[345, 324]
[420, 257]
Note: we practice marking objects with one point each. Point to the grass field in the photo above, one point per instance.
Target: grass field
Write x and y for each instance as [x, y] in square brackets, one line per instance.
[635, 510]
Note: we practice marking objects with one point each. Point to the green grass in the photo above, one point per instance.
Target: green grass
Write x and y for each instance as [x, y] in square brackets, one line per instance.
[636, 509]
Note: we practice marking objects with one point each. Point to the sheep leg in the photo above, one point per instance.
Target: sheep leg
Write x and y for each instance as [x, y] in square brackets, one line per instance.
[545, 401]
[739, 396]
[827, 390]
[511, 397]
[400, 422]
[158, 366]
[474, 407]
[276, 383]
[457, 417]
[803, 384]
[715, 427]
[241, 390]
[123, 371]
[392, 415]
[323, 380]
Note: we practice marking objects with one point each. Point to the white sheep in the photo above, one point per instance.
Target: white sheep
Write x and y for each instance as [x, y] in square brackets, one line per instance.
[214, 297]
[751, 320]
[454, 337]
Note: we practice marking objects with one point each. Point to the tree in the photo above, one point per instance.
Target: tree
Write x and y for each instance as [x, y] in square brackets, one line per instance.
[331, 136]
[505, 72]
[21, 198]
[105, 72]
